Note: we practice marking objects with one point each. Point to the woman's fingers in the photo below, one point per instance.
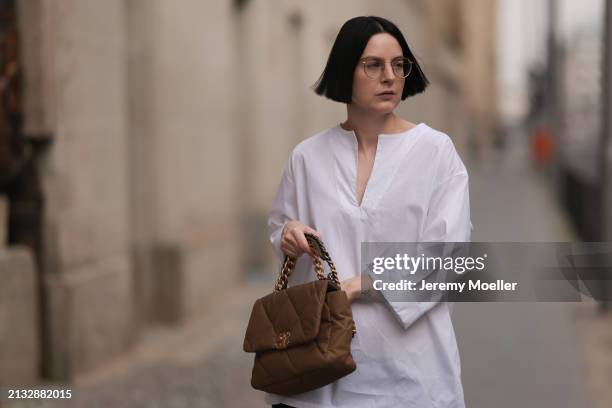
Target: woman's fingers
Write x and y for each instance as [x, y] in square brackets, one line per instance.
[293, 245]
[314, 232]
[302, 242]
[290, 246]
[294, 241]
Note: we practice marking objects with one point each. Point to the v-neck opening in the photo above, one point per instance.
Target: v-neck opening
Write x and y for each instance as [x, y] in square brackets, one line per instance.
[365, 189]
[382, 140]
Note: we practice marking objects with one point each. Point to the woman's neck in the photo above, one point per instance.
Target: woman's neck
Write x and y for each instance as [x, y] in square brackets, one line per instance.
[368, 127]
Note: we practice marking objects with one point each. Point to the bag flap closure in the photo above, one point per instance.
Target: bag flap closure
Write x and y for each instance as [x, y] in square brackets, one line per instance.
[287, 317]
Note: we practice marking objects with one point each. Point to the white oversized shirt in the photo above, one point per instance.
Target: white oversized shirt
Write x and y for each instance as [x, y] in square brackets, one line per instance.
[406, 352]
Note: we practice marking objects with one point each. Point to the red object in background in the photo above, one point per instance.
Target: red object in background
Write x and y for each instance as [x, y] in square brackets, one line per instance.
[542, 145]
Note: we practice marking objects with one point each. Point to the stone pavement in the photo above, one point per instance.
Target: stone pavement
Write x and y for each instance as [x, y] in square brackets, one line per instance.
[595, 334]
[198, 365]
[526, 354]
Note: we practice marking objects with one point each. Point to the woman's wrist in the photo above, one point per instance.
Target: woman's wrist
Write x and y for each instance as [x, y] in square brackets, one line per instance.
[367, 290]
[352, 287]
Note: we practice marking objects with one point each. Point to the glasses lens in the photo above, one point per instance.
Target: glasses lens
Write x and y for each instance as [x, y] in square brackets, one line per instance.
[373, 68]
[402, 67]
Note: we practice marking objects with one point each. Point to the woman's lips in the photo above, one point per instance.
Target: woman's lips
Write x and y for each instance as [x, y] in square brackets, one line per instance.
[386, 95]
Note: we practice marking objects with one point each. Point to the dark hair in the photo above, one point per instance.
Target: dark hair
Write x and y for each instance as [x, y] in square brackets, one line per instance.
[336, 81]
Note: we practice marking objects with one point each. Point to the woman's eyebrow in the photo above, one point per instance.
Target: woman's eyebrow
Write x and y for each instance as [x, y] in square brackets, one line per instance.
[375, 57]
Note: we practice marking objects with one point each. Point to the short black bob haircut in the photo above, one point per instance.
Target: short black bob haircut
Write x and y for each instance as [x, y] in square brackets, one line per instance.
[336, 81]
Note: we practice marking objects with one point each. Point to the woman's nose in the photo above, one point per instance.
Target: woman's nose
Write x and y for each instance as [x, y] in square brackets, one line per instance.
[388, 74]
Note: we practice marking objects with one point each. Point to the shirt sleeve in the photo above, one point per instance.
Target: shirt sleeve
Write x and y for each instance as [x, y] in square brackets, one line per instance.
[447, 220]
[284, 208]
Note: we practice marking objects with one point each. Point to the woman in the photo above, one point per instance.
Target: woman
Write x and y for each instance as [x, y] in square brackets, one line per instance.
[376, 177]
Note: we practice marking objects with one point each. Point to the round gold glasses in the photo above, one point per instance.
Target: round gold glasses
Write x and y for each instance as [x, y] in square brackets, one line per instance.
[374, 67]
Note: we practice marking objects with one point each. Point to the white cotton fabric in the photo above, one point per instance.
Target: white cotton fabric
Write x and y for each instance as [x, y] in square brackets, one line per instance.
[406, 353]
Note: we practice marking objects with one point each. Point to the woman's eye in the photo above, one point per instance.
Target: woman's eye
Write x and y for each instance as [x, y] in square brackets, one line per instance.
[375, 64]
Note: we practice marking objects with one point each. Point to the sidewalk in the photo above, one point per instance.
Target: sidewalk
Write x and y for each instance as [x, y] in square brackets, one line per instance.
[200, 364]
[527, 354]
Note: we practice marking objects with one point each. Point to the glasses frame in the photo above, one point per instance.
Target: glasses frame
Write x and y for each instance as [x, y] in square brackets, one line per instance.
[365, 60]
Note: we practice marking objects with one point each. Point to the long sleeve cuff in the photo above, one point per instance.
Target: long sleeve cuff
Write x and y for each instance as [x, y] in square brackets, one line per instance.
[275, 240]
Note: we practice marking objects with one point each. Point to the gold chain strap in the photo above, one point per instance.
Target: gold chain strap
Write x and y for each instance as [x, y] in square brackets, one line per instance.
[322, 252]
[317, 247]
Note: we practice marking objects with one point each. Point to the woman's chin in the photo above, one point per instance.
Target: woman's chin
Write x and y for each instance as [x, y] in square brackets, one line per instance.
[378, 107]
[384, 107]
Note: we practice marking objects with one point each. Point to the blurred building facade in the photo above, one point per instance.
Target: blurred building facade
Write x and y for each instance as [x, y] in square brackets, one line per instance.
[164, 129]
[567, 110]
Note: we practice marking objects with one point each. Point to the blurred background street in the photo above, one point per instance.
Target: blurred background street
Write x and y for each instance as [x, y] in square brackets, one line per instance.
[142, 142]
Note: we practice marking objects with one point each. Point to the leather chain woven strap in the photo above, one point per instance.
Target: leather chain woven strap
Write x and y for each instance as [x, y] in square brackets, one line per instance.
[317, 247]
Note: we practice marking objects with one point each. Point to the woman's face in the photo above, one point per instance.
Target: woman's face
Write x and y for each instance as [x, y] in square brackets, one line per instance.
[367, 92]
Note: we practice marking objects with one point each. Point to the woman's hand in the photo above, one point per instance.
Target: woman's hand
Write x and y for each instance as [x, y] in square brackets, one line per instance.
[293, 241]
[352, 287]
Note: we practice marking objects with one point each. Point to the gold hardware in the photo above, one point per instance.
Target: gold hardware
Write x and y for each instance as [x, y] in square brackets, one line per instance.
[282, 340]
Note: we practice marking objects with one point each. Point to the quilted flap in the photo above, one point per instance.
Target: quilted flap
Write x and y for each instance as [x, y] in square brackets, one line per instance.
[286, 318]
